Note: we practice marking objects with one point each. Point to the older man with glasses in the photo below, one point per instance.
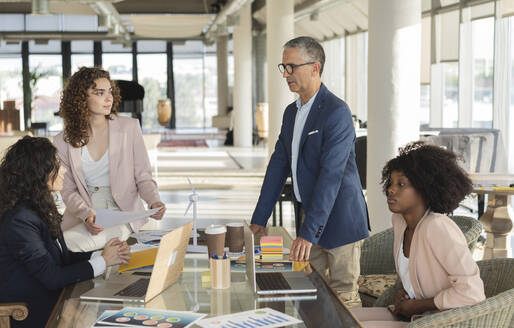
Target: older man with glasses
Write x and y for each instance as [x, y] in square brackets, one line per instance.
[316, 147]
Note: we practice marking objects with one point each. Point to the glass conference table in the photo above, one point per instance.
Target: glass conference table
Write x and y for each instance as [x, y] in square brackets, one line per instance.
[189, 294]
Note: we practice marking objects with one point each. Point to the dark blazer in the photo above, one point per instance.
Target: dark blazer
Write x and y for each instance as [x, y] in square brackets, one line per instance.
[33, 269]
[335, 210]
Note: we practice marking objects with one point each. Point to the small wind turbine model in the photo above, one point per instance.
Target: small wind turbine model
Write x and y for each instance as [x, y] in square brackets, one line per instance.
[193, 200]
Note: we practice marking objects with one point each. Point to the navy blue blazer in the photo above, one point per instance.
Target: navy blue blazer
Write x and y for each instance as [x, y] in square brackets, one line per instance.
[32, 267]
[335, 209]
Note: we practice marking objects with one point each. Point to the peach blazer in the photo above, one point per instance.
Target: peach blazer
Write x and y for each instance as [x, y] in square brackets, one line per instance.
[440, 263]
[130, 174]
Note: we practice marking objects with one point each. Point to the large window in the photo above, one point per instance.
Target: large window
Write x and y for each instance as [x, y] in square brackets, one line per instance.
[450, 94]
[11, 80]
[81, 55]
[79, 60]
[211, 89]
[118, 65]
[424, 104]
[483, 52]
[46, 83]
[151, 71]
[189, 92]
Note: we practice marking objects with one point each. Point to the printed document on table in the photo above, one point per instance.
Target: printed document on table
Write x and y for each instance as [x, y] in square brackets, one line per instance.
[108, 218]
[259, 318]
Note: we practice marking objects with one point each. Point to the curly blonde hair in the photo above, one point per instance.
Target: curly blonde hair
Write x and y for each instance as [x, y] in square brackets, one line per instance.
[73, 107]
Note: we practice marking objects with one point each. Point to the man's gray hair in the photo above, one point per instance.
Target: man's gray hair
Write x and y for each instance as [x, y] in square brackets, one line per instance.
[310, 47]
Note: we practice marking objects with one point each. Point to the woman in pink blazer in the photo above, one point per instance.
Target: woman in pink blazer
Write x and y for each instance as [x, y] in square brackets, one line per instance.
[106, 160]
[430, 252]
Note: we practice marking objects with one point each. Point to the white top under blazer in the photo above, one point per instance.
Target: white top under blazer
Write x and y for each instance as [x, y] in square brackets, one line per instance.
[96, 173]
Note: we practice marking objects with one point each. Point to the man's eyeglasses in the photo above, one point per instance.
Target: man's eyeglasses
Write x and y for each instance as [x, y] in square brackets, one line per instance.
[289, 68]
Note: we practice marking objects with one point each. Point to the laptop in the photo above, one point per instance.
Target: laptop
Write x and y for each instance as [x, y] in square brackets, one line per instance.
[168, 265]
[270, 283]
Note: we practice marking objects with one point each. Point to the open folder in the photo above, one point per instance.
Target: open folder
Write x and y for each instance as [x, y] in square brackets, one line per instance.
[140, 259]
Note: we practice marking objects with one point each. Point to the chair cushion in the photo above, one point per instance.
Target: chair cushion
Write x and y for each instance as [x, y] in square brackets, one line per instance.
[375, 284]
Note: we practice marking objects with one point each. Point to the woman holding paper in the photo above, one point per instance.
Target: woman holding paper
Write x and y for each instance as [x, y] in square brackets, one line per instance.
[35, 263]
[106, 160]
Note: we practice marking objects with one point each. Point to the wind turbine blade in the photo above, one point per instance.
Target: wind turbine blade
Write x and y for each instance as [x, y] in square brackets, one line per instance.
[187, 209]
[191, 185]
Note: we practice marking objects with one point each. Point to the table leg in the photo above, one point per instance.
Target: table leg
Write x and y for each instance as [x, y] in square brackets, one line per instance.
[497, 224]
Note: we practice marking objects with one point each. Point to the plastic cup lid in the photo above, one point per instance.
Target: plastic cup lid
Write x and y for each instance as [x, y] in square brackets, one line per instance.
[235, 225]
[215, 229]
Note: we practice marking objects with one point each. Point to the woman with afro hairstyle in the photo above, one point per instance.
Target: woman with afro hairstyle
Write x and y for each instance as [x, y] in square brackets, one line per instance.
[106, 160]
[423, 184]
[35, 263]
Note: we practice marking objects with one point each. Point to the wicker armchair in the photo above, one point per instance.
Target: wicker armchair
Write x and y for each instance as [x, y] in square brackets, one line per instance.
[471, 228]
[378, 271]
[377, 250]
[377, 254]
[496, 311]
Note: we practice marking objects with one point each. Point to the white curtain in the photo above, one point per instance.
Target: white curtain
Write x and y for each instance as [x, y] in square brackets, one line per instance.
[465, 75]
[356, 86]
[333, 73]
[501, 101]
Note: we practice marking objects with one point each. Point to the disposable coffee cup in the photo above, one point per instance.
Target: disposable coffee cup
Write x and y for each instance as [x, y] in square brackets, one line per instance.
[215, 235]
[235, 237]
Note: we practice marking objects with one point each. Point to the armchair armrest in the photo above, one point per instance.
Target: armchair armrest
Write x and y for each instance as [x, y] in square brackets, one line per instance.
[496, 311]
[18, 311]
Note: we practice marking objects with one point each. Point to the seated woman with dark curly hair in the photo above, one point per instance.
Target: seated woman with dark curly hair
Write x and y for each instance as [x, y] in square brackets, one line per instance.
[35, 263]
[422, 185]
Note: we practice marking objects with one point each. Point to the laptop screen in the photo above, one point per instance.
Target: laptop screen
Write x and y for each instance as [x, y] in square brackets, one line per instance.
[250, 257]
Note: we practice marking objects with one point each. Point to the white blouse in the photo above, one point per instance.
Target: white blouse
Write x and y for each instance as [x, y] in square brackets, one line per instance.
[96, 173]
[403, 267]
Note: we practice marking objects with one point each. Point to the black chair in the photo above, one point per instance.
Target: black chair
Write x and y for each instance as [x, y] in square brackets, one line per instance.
[132, 94]
[360, 158]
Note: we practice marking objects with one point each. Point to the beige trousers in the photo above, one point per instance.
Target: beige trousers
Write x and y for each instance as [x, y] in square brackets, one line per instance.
[341, 267]
[78, 238]
[377, 317]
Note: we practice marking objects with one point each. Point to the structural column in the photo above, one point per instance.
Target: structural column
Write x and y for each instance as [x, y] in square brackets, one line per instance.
[222, 56]
[243, 78]
[279, 30]
[394, 62]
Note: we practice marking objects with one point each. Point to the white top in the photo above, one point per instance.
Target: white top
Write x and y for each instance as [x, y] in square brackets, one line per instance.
[403, 266]
[302, 113]
[96, 173]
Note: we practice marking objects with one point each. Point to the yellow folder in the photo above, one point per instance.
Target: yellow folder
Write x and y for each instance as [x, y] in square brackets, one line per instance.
[140, 259]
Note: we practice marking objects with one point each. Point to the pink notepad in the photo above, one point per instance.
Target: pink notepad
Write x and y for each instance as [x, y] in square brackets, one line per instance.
[271, 240]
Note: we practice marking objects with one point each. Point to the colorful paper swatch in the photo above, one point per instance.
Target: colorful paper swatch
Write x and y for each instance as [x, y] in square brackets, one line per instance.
[272, 248]
[143, 317]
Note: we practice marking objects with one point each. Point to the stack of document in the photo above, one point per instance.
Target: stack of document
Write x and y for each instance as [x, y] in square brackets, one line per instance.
[272, 248]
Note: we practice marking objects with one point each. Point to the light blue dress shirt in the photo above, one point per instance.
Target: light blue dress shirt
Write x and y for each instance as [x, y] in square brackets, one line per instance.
[299, 122]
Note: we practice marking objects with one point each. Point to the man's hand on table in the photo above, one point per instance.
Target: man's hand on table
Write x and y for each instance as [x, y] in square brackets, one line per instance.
[258, 229]
[300, 250]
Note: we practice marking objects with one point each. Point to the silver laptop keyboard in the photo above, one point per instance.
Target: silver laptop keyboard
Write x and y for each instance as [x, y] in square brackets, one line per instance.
[135, 289]
[272, 281]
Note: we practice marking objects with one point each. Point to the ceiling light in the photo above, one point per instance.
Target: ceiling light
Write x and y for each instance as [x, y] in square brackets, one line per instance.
[40, 7]
[104, 21]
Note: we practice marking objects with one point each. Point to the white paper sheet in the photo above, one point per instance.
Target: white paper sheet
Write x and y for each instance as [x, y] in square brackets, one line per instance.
[108, 218]
[259, 318]
[149, 236]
